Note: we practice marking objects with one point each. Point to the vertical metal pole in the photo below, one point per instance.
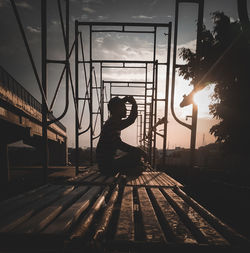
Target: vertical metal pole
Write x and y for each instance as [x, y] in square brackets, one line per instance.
[155, 112]
[167, 94]
[152, 102]
[137, 132]
[102, 97]
[67, 54]
[140, 129]
[145, 106]
[44, 86]
[195, 107]
[76, 101]
[91, 94]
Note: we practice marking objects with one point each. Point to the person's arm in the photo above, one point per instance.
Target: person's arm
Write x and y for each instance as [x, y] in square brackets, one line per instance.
[132, 116]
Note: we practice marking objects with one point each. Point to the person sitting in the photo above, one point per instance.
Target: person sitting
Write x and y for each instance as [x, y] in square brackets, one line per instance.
[110, 141]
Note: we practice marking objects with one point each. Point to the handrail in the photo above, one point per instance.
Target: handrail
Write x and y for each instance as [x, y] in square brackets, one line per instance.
[9, 83]
[173, 72]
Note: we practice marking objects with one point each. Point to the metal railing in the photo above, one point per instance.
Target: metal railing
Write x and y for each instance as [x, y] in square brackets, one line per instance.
[10, 84]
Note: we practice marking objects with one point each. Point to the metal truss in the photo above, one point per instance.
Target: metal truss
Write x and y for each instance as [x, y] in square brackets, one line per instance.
[104, 90]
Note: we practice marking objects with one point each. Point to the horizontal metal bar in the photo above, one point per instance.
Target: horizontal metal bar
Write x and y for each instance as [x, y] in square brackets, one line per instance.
[121, 31]
[83, 99]
[120, 67]
[124, 24]
[127, 86]
[137, 82]
[56, 61]
[118, 61]
[188, 1]
[113, 94]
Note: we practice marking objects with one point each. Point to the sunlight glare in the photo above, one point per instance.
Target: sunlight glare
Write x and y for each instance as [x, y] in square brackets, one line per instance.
[203, 100]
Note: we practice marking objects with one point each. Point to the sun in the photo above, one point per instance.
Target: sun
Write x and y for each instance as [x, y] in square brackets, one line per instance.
[203, 100]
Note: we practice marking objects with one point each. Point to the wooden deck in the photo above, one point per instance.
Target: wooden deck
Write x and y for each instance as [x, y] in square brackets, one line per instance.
[97, 213]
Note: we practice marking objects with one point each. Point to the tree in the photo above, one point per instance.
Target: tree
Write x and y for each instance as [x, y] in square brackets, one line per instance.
[225, 56]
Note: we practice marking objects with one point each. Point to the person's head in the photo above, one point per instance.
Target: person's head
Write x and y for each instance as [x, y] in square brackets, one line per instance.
[117, 107]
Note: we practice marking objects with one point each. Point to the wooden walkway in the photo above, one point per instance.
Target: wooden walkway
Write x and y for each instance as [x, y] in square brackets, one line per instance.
[97, 213]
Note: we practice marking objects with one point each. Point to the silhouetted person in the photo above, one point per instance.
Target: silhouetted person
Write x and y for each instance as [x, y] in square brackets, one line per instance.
[110, 140]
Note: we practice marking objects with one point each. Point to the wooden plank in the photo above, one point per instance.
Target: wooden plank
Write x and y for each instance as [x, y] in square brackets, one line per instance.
[85, 223]
[112, 179]
[81, 176]
[89, 179]
[103, 225]
[109, 180]
[151, 225]
[161, 181]
[149, 179]
[8, 201]
[137, 182]
[165, 180]
[45, 216]
[230, 234]
[125, 226]
[13, 220]
[172, 180]
[141, 180]
[63, 222]
[208, 232]
[100, 179]
[14, 204]
[155, 179]
[181, 233]
[145, 179]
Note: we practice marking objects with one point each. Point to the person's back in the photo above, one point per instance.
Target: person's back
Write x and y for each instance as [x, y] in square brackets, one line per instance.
[110, 140]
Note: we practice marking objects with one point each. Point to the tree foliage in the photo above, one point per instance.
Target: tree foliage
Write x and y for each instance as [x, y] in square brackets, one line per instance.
[224, 61]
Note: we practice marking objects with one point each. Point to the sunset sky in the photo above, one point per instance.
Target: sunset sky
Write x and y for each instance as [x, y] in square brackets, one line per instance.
[14, 59]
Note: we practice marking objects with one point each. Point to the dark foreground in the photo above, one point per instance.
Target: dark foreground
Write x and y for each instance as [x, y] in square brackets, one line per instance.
[98, 213]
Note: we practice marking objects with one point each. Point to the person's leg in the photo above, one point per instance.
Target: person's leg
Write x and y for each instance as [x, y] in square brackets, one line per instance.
[129, 164]
[106, 167]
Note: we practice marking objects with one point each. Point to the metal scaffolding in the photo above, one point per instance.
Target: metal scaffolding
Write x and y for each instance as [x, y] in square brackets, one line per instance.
[43, 81]
[193, 125]
[95, 85]
[104, 90]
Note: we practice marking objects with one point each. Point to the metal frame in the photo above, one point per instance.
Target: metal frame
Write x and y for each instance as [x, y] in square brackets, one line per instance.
[149, 131]
[47, 119]
[193, 125]
[147, 110]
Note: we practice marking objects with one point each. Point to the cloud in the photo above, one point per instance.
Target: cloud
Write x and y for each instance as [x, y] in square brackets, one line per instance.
[24, 5]
[33, 29]
[190, 44]
[143, 17]
[102, 17]
[92, 1]
[84, 16]
[88, 10]
[153, 3]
